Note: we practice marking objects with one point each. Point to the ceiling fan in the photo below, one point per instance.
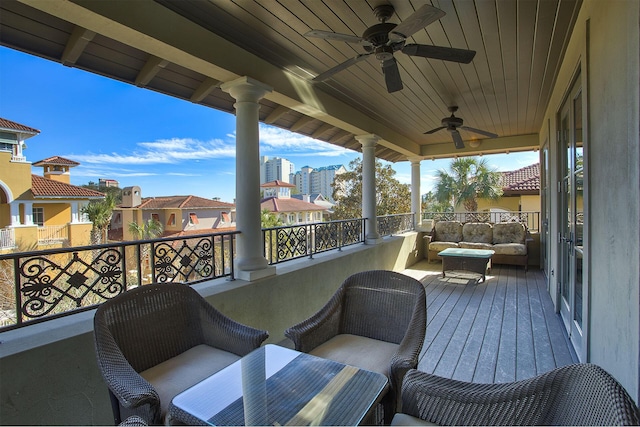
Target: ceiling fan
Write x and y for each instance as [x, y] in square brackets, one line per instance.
[385, 38]
[453, 123]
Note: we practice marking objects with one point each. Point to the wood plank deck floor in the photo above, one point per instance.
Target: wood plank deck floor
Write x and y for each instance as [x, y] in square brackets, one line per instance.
[501, 330]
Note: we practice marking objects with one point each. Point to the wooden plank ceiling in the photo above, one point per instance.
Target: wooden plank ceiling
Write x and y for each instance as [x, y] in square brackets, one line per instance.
[505, 90]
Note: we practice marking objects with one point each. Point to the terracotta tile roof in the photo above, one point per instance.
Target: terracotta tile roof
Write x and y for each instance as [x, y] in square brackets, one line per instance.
[522, 181]
[182, 202]
[196, 232]
[117, 233]
[44, 187]
[56, 160]
[10, 125]
[277, 183]
[312, 196]
[273, 204]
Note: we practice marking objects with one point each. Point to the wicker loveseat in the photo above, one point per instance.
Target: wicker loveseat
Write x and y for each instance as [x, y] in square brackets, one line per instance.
[508, 240]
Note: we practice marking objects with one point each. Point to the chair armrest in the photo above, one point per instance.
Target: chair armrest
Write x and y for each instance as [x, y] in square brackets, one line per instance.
[406, 357]
[222, 332]
[131, 390]
[319, 328]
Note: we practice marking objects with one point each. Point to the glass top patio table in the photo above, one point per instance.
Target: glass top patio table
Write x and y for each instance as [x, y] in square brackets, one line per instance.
[274, 385]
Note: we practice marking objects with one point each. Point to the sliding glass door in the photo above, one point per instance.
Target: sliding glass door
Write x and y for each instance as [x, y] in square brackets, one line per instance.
[571, 197]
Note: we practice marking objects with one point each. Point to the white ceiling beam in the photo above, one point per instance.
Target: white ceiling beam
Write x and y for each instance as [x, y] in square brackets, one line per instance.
[204, 89]
[321, 130]
[302, 122]
[339, 136]
[78, 41]
[278, 112]
[486, 146]
[150, 70]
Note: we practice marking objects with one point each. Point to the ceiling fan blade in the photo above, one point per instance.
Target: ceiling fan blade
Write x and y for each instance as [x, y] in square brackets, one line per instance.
[328, 35]
[392, 75]
[438, 52]
[331, 71]
[481, 132]
[457, 139]
[434, 130]
[416, 21]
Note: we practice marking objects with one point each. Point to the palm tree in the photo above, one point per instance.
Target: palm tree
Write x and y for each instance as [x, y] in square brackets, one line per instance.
[269, 219]
[99, 213]
[150, 229]
[470, 180]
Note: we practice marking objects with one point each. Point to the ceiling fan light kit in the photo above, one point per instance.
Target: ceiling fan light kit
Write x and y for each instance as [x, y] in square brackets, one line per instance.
[474, 143]
[384, 39]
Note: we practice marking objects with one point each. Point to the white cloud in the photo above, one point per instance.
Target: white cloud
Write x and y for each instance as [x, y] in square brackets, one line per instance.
[163, 151]
[112, 173]
[182, 174]
[274, 139]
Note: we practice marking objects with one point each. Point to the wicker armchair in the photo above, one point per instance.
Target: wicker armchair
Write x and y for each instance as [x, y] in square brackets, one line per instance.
[157, 340]
[376, 320]
[581, 394]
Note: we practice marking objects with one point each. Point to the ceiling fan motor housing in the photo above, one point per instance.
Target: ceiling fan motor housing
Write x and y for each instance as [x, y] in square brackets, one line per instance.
[452, 122]
[378, 34]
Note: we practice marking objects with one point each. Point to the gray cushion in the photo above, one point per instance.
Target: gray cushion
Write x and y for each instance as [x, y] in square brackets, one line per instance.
[469, 245]
[509, 232]
[449, 231]
[477, 232]
[181, 372]
[441, 246]
[510, 249]
[361, 352]
[400, 419]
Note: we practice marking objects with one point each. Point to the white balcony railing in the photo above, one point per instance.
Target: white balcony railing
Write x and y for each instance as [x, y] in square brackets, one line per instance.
[7, 238]
[53, 233]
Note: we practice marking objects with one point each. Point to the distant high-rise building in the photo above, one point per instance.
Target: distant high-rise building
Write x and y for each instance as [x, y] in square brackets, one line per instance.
[275, 169]
[302, 180]
[311, 181]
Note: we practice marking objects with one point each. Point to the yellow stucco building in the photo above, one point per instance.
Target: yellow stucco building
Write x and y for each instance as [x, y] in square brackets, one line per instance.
[521, 192]
[38, 212]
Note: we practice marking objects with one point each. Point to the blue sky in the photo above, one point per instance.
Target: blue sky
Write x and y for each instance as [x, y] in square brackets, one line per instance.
[167, 146]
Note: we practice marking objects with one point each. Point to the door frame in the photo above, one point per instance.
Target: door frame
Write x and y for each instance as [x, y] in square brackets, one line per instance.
[566, 245]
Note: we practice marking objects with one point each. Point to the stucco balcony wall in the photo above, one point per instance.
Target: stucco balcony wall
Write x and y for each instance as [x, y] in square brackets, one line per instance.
[49, 374]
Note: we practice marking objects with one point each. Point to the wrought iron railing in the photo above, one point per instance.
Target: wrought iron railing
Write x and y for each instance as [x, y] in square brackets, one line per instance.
[41, 285]
[298, 241]
[389, 225]
[531, 219]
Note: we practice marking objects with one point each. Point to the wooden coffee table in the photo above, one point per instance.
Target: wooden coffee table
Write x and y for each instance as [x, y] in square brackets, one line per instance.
[274, 385]
[474, 260]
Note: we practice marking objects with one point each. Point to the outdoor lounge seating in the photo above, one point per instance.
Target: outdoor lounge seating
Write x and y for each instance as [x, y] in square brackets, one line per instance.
[376, 320]
[580, 394]
[507, 239]
[157, 340]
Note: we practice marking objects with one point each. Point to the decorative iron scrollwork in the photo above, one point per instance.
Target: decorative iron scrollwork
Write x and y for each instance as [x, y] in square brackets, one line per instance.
[291, 242]
[325, 236]
[351, 232]
[56, 284]
[191, 260]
